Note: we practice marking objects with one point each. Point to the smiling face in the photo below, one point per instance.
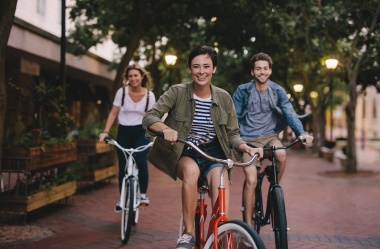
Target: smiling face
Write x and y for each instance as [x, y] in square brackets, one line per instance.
[261, 72]
[201, 69]
[134, 77]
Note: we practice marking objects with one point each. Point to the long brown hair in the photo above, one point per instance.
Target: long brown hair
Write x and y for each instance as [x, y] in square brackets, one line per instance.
[145, 82]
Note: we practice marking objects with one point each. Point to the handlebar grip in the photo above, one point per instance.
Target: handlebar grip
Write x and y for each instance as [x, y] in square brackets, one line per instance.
[107, 139]
[302, 139]
[161, 134]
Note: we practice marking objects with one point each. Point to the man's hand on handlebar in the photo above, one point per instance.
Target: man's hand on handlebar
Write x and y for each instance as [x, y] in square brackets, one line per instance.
[251, 151]
[306, 139]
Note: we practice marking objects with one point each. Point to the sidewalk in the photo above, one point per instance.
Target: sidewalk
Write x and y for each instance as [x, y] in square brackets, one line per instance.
[323, 212]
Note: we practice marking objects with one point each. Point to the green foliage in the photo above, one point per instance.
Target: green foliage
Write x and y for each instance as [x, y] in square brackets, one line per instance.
[91, 129]
[48, 124]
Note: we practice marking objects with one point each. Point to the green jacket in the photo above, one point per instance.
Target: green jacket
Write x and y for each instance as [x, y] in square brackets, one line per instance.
[179, 103]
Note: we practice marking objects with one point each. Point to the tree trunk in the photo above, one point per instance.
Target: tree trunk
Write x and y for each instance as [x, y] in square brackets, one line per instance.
[350, 113]
[7, 12]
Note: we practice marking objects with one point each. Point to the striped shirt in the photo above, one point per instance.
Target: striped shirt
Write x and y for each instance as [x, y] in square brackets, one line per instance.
[202, 129]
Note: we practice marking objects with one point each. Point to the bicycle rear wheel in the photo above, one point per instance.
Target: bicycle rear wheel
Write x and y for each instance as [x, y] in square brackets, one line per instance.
[127, 213]
[279, 219]
[235, 234]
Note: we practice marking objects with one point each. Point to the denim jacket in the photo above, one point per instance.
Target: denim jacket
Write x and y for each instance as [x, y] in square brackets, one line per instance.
[179, 103]
[278, 101]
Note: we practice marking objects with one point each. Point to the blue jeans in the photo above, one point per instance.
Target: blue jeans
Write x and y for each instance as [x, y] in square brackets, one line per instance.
[213, 149]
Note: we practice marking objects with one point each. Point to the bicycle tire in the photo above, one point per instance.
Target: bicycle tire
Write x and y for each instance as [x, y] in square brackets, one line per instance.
[127, 213]
[137, 205]
[242, 202]
[197, 230]
[279, 218]
[243, 236]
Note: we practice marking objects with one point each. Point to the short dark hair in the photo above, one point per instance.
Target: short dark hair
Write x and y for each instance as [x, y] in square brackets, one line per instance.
[203, 49]
[260, 57]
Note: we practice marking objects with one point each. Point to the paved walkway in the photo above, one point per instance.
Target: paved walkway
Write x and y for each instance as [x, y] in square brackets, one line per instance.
[322, 211]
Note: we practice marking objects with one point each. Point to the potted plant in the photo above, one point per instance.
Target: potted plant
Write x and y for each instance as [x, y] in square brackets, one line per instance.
[38, 190]
[36, 144]
[40, 136]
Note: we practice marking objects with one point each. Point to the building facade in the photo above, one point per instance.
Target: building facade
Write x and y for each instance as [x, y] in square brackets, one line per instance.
[34, 52]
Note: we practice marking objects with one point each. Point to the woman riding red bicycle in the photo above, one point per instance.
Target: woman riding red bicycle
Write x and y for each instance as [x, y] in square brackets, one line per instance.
[201, 108]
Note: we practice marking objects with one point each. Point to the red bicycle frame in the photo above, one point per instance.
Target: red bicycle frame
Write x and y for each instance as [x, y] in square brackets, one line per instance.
[218, 215]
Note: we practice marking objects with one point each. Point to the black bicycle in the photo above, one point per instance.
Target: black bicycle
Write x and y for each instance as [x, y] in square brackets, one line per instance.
[275, 213]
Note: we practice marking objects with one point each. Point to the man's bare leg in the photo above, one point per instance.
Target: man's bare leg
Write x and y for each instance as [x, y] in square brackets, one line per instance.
[249, 195]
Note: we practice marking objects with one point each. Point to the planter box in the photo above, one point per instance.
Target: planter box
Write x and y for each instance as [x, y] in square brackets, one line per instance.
[34, 158]
[100, 174]
[24, 204]
[98, 160]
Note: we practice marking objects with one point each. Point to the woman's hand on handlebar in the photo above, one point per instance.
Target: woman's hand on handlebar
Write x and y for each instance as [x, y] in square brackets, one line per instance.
[165, 132]
[170, 135]
[102, 136]
[251, 151]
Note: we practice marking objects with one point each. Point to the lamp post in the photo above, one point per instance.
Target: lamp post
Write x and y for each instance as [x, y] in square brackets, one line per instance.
[298, 88]
[331, 64]
[170, 61]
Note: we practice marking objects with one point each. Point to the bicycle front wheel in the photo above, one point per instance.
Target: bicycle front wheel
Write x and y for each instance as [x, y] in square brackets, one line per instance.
[235, 234]
[279, 219]
[127, 213]
[137, 202]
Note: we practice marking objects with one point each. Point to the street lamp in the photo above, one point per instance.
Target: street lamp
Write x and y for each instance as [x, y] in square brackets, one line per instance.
[331, 64]
[170, 61]
[298, 88]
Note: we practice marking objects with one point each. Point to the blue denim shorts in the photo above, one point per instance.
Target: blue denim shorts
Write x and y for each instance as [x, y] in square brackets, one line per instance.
[211, 148]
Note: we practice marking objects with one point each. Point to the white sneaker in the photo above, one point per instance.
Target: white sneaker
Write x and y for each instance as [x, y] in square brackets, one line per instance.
[144, 201]
[187, 241]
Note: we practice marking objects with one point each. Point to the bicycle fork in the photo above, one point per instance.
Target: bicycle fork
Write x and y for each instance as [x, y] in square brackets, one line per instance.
[201, 215]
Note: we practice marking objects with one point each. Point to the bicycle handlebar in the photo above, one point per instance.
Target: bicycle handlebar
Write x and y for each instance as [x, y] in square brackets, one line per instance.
[273, 148]
[109, 140]
[228, 162]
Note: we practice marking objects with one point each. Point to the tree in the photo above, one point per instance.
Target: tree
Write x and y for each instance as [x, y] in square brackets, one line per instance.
[7, 12]
[300, 35]
[129, 24]
[362, 45]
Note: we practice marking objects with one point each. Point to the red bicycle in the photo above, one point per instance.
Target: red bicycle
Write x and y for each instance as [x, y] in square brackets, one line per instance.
[222, 232]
